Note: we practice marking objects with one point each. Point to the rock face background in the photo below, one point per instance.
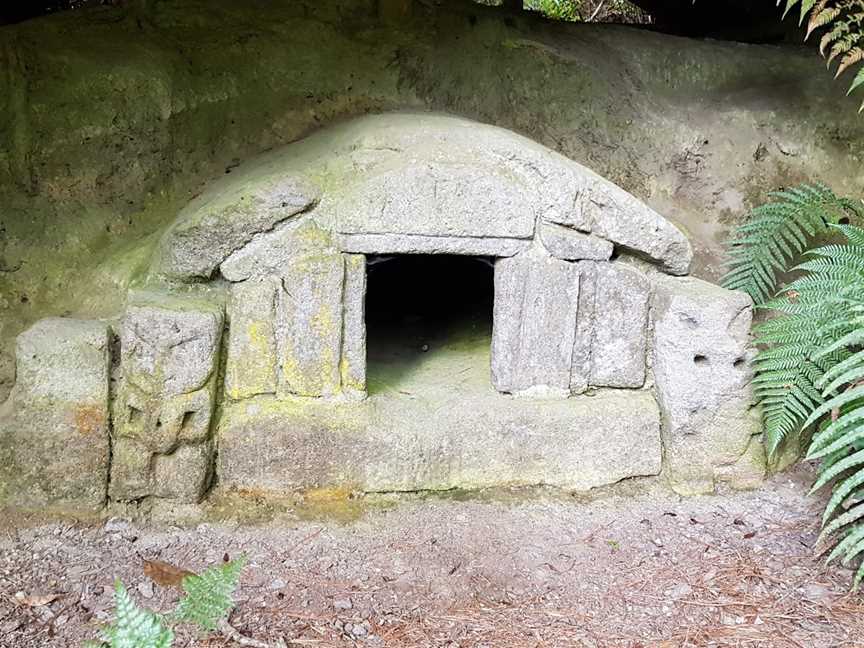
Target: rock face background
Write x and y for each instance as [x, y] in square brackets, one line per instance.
[110, 122]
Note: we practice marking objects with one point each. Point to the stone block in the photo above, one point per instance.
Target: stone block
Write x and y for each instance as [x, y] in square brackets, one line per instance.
[569, 244]
[165, 399]
[580, 363]
[353, 363]
[184, 474]
[250, 367]
[419, 244]
[267, 253]
[620, 217]
[224, 218]
[400, 444]
[309, 326]
[701, 362]
[438, 198]
[54, 445]
[534, 324]
[619, 341]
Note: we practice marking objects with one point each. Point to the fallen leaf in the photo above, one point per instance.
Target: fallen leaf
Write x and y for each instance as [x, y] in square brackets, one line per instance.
[34, 600]
[165, 574]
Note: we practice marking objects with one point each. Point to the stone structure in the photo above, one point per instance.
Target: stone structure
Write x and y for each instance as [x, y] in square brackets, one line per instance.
[605, 361]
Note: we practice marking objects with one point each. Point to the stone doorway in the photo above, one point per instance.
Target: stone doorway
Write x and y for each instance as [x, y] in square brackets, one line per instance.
[428, 322]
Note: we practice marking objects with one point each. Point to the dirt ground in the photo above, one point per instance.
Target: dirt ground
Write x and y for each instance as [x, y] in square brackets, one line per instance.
[633, 567]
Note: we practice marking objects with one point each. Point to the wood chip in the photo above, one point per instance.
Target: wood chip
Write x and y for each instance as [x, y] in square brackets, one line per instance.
[34, 599]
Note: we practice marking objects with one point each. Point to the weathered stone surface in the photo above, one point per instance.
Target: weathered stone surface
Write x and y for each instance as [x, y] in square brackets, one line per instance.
[701, 361]
[580, 364]
[618, 346]
[415, 244]
[225, 218]
[266, 254]
[616, 215]
[184, 474]
[409, 183]
[567, 243]
[169, 355]
[353, 363]
[250, 368]
[750, 469]
[434, 197]
[54, 445]
[534, 324]
[309, 326]
[406, 444]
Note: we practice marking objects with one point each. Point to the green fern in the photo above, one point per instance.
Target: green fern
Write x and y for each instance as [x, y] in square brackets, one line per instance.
[135, 627]
[810, 372]
[207, 601]
[840, 441]
[842, 25]
[776, 233]
[208, 595]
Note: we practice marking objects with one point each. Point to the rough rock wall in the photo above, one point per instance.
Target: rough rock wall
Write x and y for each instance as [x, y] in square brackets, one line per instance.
[110, 122]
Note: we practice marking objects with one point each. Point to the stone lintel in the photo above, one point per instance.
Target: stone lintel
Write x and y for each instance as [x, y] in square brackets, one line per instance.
[419, 244]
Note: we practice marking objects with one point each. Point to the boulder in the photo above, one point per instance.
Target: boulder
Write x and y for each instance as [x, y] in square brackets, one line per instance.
[54, 446]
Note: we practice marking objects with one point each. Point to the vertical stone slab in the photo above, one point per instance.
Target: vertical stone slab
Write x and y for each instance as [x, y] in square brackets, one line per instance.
[169, 362]
[250, 368]
[701, 361]
[580, 367]
[54, 445]
[309, 325]
[534, 324]
[620, 332]
[353, 365]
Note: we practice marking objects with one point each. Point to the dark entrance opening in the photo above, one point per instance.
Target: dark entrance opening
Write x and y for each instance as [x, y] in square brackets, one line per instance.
[428, 322]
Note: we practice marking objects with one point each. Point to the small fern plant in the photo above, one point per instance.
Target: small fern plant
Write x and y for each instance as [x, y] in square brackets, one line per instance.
[134, 627]
[207, 601]
[810, 365]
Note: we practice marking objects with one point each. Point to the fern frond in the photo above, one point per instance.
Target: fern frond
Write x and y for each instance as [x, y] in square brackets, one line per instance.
[135, 627]
[208, 595]
[843, 22]
[776, 232]
[821, 18]
[853, 56]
